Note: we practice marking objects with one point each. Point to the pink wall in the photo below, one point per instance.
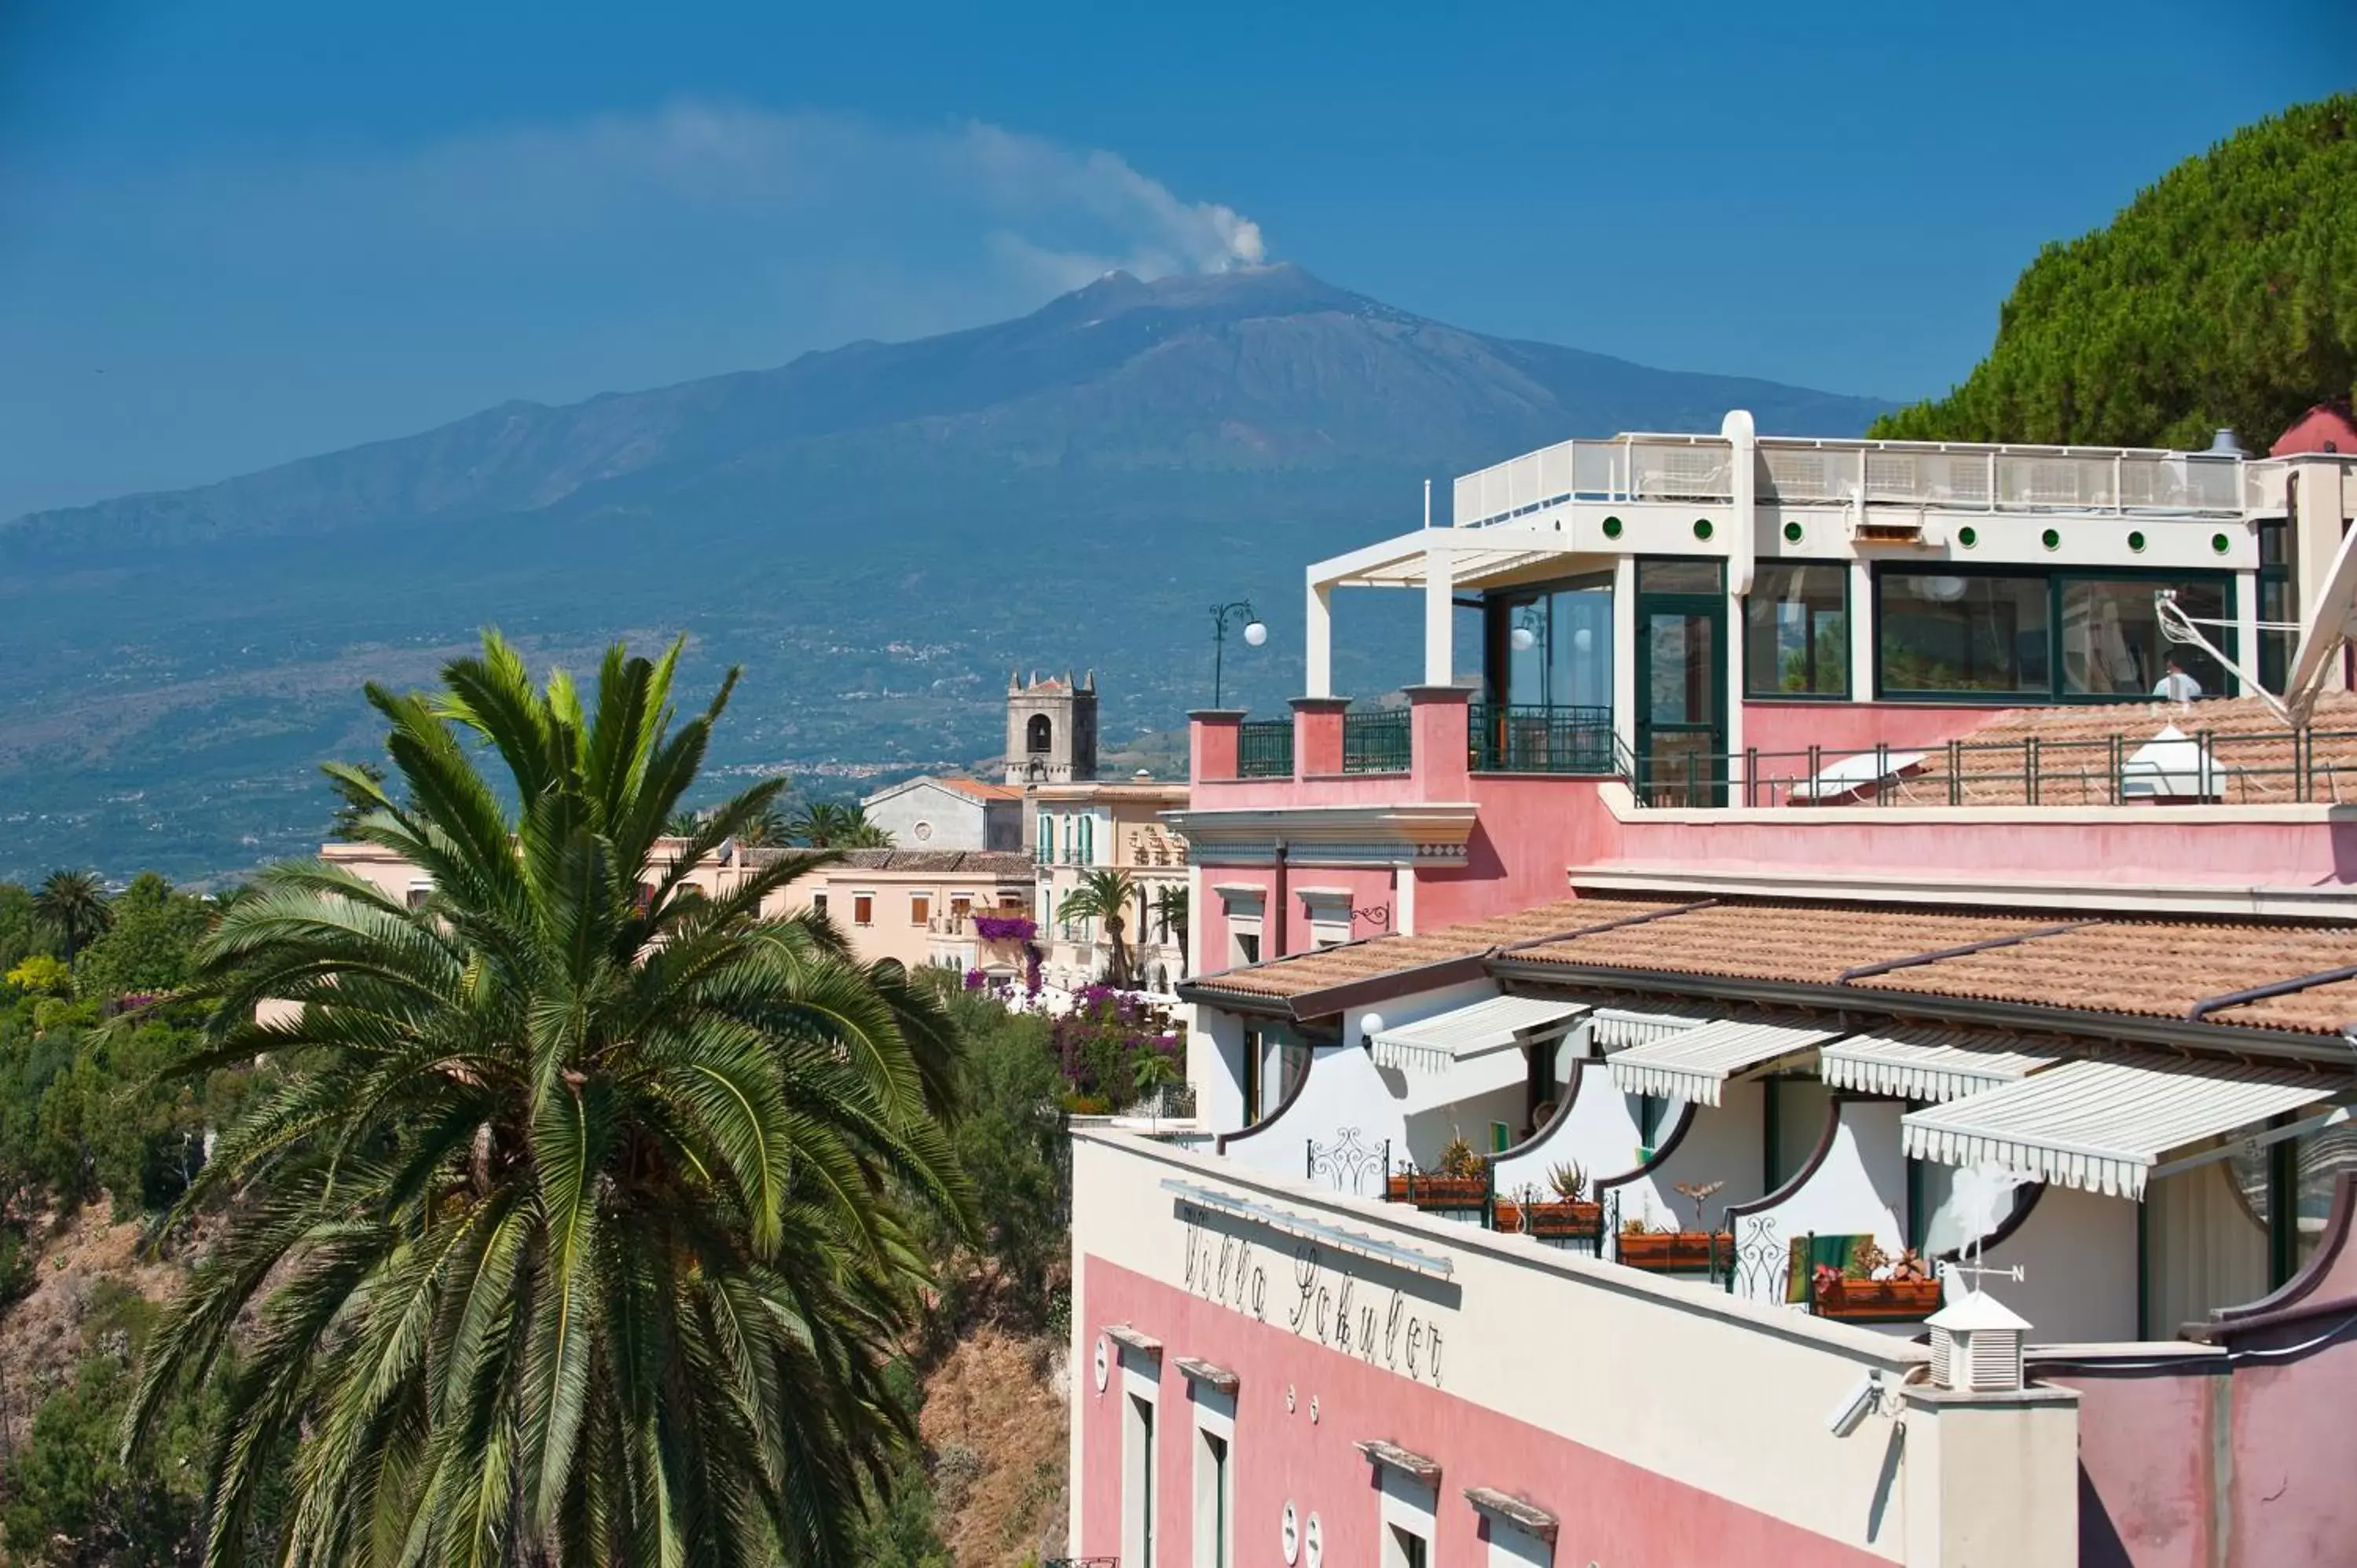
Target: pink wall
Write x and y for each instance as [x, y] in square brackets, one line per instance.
[1610, 1511]
[1846, 727]
[2245, 1460]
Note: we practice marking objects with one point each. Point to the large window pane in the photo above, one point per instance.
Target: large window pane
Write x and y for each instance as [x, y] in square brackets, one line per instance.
[1679, 577]
[1942, 634]
[1556, 645]
[1796, 632]
[2112, 645]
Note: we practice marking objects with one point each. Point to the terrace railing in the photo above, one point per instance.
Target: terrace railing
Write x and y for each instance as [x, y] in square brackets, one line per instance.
[1527, 737]
[1375, 741]
[1956, 477]
[2276, 767]
[1264, 749]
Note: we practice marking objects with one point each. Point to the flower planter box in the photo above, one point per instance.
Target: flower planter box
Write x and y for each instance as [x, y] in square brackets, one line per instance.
[1507, 1217]
[1877, 1301]
[1439, 1192]
[1677, 1251]
[1577, 1221]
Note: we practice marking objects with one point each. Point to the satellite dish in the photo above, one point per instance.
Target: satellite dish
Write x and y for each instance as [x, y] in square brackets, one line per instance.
[2329, 623]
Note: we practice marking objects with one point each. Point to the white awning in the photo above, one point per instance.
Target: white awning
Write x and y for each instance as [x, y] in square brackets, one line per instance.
[1930, 1064]
[2102, 1123]
[1432, 1045]
[1618, 1029]
[1696, 1064]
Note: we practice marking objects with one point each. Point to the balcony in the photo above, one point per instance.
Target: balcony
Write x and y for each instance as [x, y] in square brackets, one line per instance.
[1264, 749]
[1375, 741]
[1528, 738]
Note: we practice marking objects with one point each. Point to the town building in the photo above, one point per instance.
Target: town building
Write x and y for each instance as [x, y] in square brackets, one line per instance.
[936, 812]
[1111, 825]
[1835, 1044]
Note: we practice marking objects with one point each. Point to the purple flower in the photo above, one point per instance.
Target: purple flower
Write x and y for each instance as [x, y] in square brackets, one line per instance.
[975, 980]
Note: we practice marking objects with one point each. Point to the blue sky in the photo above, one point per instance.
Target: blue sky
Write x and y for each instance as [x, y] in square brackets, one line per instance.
[236, 232]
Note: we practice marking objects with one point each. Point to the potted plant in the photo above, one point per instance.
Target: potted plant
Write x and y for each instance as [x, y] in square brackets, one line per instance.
[1568, 1215]
[1669, 1250]
[1460, 1179]
[1872, 1288]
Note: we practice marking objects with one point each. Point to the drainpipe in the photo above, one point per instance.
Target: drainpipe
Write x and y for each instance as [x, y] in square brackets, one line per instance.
[1277, 909]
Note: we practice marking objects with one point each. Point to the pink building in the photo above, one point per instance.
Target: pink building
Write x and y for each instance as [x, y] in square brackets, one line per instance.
[1834, 1045]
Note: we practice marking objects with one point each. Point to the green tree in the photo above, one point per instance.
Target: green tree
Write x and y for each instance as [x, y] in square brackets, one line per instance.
[72, 1501]
[1109, 896]
[72, 904]
[1170, 913]
[23, 934]
[151, 943]
[827, 824]
[582, 1215]
[2225, 294]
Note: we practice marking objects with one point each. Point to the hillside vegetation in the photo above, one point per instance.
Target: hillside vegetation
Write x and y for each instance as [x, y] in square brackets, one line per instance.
[2225, 294]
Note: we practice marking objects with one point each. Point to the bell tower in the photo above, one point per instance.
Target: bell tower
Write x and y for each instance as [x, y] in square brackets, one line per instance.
[1051, 729]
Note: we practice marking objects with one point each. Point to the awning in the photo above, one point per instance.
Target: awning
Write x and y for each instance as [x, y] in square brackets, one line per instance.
[2102, 1123]
[1696, 1064]
[1432, 1045]
[1618, 1029]
[1930, 1064]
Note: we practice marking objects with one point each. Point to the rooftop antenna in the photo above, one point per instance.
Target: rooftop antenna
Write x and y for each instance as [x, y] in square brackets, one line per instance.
[1427, 503]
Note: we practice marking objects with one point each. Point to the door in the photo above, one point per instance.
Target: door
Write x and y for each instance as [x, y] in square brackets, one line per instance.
[1681, 693]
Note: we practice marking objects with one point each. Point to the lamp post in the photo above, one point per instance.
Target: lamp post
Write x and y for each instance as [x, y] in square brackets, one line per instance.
[1255, 635]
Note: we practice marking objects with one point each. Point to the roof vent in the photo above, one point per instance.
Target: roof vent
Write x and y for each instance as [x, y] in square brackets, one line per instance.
[2225, 444]
[1977, 1345]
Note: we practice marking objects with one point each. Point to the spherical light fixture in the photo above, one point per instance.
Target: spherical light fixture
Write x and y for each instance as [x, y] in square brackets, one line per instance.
[1583, 639]
[1943, 590]
[1523, 638]
[1256, 634]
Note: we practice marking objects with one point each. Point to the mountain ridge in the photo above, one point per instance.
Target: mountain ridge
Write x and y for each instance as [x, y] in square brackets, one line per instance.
[876, 532]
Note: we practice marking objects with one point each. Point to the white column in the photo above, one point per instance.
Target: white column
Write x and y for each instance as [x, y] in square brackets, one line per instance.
[1318, 647]
[1625, 632]
[1439, 610]
[1862, 633]
[2246, 631]
[1403, 898]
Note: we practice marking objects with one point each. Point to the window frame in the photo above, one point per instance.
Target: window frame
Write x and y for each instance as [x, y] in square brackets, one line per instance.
[921, 909]
[1753, 691]
[2056, 579]
[863, 908]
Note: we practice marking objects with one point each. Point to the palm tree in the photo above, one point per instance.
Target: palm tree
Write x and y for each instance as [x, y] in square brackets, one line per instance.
[575, 1226]
[1170, 914]
[824, 824]
[73, 905]
[1106, 896]
[683, 824]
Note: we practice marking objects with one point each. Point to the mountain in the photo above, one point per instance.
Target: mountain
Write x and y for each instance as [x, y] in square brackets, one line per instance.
[876, 531]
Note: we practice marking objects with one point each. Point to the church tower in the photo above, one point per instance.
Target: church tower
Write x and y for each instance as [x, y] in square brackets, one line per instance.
[1052, 730]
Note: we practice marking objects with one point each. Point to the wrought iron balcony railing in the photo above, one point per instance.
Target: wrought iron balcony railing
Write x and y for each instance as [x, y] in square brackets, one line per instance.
[1527, 737]
[1264, 749]
[1375, 741]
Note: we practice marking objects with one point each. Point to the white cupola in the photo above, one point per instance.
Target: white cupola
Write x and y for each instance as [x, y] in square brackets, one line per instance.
[1977, 1345]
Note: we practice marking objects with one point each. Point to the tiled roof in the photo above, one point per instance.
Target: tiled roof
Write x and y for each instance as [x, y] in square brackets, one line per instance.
[980, 789]
[1002, 864]
[1774, 940]
[1303, 974]
[2092, 963]
[2074, 752]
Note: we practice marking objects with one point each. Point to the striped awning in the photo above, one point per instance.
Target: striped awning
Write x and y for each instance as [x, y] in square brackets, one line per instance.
[1618, 1029]
[2102, 1123]
[1434, 1044]
[1930, 1064]
[1696, 1063]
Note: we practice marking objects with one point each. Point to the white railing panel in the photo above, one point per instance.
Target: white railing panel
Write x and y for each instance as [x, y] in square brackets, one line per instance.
[1465, 500]
[1680, 472]
[1555, 470]
[1595, 469]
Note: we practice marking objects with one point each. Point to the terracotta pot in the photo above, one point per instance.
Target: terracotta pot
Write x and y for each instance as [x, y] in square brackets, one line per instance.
[1507, 1217]
[1892, 1301]
[1444, 1192]
[1566, 1219]
[1677, 1251]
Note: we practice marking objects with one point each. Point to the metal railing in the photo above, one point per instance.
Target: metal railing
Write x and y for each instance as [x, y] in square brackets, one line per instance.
[1955, 476]
[2278, 766]
[1375, 741]
[1264, 749]
[1530, 738]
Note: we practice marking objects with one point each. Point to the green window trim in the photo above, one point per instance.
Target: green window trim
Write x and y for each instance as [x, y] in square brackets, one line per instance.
[1835, 654]
[2057, 580]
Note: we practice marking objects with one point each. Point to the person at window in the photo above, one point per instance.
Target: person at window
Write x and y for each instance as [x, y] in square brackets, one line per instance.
[2176, 686]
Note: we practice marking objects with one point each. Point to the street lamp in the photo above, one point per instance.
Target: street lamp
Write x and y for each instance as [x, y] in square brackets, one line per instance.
[1255, 635]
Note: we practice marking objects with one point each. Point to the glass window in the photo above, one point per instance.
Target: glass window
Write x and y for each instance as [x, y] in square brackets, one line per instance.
[818, 903]
[1796, 632]
[1553, 646]
[2112, 645]
[1939, 633]
[2275, 602]
[1679, 577]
